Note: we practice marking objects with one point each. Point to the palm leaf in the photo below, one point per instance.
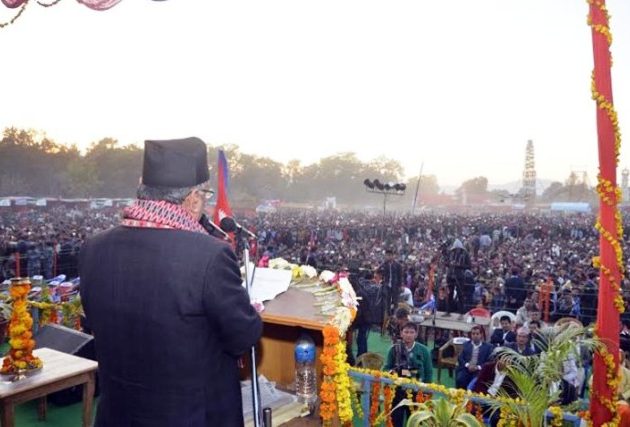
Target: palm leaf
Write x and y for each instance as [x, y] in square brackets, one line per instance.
[533, 376]
[467, 420]
[442, 413]
[421, 417]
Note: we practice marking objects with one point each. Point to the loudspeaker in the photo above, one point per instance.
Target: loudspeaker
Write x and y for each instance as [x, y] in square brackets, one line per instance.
[72, 342]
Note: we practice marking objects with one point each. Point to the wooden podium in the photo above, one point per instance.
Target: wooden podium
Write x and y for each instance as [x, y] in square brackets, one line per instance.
[285, 318]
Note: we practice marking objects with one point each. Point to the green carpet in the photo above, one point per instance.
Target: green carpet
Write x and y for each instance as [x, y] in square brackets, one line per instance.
[58, 416]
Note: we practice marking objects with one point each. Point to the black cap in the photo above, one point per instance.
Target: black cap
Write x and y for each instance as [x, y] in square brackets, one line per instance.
[175, 163]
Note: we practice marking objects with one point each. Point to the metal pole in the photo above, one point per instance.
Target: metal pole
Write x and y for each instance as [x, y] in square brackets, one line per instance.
[415, 198]
[384, 203]
[257, 410]
[267, 417]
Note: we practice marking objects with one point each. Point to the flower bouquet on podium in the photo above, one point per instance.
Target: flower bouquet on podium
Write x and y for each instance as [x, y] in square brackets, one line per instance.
[20, 360]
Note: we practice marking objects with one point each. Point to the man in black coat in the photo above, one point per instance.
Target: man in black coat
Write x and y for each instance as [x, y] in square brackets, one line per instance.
[515, 290]
[458, 261]
[504, 334]
[392, 278]
[165, 302]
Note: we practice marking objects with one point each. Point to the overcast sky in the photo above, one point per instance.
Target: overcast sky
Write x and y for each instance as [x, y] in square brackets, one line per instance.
[460, 85]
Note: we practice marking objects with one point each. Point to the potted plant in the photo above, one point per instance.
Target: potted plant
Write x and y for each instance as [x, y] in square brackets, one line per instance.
[441, 413]
[536, 378]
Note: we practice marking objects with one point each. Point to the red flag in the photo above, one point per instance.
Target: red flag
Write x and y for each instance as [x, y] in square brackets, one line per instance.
[222, 208]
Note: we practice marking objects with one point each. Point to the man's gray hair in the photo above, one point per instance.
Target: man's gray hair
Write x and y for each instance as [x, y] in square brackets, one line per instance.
[168, 194]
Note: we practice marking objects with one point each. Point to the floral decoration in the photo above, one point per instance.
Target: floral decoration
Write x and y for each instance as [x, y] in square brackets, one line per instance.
[20, 356]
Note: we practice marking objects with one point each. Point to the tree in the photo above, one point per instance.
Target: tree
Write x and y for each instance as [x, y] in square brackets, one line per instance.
[30, 166]
[117, 168]
[476, 188]
[260, 178]
[478, 185]
[552, 192]
[388, 169]
[81, 179]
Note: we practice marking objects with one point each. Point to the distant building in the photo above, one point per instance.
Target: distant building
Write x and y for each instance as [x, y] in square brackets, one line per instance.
[528, 191]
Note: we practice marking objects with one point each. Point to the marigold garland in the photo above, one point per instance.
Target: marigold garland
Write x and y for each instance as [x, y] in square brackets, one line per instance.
[388, 398]
[507, 420]
[612, 380]
[556, 411]
[358, 410]
[327, 392]
[478, 411]
[375, 401]
[423, 397]
[342, 385]
[409, 395]
[20, 355]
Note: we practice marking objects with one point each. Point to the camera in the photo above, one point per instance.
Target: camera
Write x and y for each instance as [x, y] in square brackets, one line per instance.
[402, 368]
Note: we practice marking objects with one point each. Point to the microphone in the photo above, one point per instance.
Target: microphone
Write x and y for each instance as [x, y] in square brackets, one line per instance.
[212, 229]
[229, 225]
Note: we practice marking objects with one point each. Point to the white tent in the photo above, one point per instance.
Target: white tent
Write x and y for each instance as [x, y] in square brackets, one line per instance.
[581, 207]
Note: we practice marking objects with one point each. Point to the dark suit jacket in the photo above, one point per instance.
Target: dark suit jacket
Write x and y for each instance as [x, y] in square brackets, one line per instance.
[497, 337]
[464, 357]
[170, 319]
[396, 274]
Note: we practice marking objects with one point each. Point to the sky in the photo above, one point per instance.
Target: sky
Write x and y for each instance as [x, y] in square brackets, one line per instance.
[458, 86]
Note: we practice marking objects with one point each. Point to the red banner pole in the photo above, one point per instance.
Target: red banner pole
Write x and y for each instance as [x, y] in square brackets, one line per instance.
[17, 264]
[610, 262]
[54, 274]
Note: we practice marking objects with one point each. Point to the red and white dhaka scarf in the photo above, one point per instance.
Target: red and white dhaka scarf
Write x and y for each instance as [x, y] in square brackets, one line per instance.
[160, 214]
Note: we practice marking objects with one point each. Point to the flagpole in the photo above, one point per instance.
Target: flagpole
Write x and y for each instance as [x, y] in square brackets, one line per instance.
[415, 197]
[610, 261]
[256, 404]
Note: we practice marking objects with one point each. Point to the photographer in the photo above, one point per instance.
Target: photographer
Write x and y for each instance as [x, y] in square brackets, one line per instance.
[392, 275]
[410, 359]
[458, 261]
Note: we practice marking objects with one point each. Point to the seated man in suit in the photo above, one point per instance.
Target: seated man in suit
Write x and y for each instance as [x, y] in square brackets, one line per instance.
[474, 354]
[522, 345]
[504, 334]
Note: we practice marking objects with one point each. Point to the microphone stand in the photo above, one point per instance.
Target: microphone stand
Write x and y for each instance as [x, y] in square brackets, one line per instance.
[257, 410]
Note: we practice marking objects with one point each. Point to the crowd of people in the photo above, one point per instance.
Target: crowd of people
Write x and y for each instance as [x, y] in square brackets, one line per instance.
[456, 262]
[507, 256]
[46, 241]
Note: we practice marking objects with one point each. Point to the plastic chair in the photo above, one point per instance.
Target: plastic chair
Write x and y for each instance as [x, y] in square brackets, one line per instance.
[448, 362]
[370, 360]
[565, 320]
[479, 312]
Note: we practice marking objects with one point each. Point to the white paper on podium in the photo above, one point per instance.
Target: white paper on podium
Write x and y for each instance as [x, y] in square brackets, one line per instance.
[268, 283]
